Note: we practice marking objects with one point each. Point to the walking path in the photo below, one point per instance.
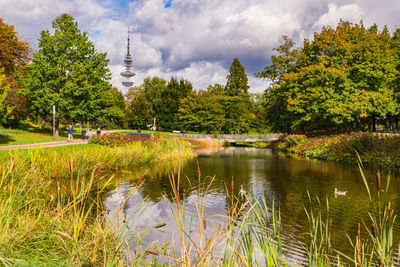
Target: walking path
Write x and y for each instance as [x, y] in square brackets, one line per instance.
[53, 143]
[46, 144]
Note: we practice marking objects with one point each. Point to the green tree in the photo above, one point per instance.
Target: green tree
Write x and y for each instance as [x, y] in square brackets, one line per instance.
[167, 108]
[188, 113]
[201, 112]
[396, 84]
[236, 114]
[139, 111]
[341, 78]
[152, 91]
[69, 72]
[114, 107]
[216, 89]
[236, 100]
[133, 92]
[285, 61]
[237, 82]
[5, 109]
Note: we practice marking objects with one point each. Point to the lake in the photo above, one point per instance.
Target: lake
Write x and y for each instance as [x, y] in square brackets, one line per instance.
[285, 181]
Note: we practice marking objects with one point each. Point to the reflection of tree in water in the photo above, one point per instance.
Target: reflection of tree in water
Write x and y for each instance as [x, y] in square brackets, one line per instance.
[286, 181]
[292, 179]
[125, 208]
[224, 166]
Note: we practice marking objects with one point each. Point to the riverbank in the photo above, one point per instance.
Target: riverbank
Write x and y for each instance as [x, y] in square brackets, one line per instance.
[375, 150]
[51, 211]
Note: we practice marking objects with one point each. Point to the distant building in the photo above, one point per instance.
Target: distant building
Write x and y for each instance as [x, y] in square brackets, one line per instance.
[128, 65]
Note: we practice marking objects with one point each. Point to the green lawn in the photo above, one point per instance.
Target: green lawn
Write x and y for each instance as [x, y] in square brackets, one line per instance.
[4, 154]
[20, 137]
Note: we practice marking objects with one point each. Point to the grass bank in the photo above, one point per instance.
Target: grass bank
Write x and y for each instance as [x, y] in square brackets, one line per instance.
[376, 150]
[51, 212]
[10, 137]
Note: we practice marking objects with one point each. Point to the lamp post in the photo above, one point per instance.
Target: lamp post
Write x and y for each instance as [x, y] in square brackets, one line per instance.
[54, 122]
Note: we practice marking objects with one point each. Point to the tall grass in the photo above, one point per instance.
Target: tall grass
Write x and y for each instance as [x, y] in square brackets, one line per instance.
[51, 211]
[67, 162]
[379, 248]
[248, 235]
[65, 229]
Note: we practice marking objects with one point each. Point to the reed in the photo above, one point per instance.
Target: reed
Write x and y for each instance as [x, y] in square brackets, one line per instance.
[68, 160]
[318, 249]
[51, 210]
[248, 235]
[379, 228]
[64, 230]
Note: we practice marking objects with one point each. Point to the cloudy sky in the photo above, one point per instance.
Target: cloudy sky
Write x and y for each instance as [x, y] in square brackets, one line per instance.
[194, 39]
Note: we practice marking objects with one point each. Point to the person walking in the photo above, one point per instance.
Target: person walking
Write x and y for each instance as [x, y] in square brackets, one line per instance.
[70, 133]
[83, 134]
[90, 133]
[98, 131]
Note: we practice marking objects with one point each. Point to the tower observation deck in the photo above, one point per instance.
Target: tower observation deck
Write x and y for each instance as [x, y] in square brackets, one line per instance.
[128, 66]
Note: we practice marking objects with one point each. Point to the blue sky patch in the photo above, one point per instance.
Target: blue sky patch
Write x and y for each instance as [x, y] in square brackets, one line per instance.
[167, 3]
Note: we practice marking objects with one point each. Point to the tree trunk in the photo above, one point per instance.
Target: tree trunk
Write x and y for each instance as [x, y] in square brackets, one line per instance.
[373, 123]
[390, 122]
[57, 127]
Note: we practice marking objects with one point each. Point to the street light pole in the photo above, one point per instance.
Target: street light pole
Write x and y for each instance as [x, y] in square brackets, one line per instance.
[54, 122]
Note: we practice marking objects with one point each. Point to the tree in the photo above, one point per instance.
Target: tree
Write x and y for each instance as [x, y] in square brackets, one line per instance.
[188, 113]
[133, 92]
[236, 101]
[216, 89]
[69, 72]
[14, 56]
[114, 107]
[167, 107]
[396, 83]
[5, 109]
[14, 53]
[341, 78]
[236, 114]
[237, 82]
[286, 61]
[138, 111]
[201, 112]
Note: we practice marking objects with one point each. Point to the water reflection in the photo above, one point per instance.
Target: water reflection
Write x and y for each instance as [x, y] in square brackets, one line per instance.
[285, 181]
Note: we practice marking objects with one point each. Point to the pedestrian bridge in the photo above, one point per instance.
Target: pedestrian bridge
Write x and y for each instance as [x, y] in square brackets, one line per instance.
[238, 138]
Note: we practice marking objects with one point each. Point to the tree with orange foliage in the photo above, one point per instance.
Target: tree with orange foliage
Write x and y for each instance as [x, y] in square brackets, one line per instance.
[14, 56]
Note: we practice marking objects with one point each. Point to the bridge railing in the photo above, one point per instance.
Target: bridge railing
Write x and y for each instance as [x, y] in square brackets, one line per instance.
[269, 136]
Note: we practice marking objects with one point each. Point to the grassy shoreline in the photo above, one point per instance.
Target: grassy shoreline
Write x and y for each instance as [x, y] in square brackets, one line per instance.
[50, 201]
[375, 150]
[51, 214]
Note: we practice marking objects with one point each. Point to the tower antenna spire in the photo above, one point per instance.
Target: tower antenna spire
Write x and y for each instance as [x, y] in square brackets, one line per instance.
[127, 52]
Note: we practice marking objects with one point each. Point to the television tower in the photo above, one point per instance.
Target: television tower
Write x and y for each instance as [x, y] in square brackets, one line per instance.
[128, 65]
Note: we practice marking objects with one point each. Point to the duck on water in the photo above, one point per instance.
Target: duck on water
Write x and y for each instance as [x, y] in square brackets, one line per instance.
[339, 193]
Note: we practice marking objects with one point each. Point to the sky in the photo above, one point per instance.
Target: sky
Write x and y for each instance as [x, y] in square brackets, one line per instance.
[193, 39]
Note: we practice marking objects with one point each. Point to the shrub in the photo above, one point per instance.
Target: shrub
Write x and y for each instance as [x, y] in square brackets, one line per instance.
[117, 139]
[377, 150]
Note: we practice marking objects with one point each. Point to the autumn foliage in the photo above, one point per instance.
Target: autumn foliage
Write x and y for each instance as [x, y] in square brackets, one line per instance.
[14, 57]
[344, 78]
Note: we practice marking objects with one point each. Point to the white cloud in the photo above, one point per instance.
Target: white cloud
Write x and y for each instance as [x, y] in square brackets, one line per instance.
[350, 12]
[196, 40]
